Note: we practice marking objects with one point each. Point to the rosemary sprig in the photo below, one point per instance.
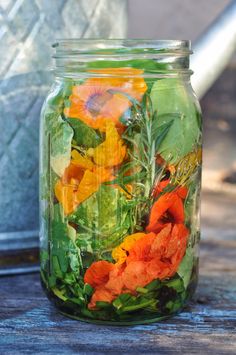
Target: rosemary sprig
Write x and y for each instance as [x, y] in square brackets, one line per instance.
[144, 138]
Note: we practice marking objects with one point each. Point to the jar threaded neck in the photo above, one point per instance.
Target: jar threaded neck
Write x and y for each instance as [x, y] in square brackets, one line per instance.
[155, 57]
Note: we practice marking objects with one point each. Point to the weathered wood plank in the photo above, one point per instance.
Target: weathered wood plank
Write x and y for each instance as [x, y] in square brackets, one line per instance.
[29, 324]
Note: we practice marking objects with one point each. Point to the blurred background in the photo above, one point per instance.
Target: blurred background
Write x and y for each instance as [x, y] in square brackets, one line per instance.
[27, 30]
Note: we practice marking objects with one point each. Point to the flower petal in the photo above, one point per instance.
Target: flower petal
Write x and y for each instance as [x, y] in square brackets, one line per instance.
[120, 253]
[80, 161]
[98, 273]
[136, 275]
[112, 151]
[103, 99]
[101, 294]
[88, 185]
[65, 195]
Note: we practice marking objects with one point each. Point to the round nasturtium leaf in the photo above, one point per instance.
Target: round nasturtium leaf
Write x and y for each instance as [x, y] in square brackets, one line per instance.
[171, 99]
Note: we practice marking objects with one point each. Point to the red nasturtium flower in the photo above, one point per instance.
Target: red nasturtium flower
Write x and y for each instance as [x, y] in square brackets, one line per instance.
[169, 208]
[102, 99]
[160, 187]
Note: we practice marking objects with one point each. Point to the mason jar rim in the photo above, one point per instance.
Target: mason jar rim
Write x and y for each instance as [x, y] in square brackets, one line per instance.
[74, 46]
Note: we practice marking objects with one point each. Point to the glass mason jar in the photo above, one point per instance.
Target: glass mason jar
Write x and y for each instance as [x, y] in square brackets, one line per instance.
[120, 180]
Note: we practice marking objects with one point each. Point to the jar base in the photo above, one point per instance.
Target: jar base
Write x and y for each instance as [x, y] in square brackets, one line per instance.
[121, 323]
[151, 318]
[72, 311]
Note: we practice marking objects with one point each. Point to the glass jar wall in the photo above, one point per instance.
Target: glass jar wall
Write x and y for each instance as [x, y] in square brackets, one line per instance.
[120, 174]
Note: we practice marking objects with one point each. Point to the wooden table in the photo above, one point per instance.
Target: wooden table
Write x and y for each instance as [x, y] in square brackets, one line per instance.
[30, 325]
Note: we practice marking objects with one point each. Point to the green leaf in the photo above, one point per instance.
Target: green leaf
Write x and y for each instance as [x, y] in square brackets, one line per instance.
[57, 97]
[87, 313]
[154, 285]
[69, 278]
[103, 219]
[186, 267]
[64, 252]
[191, 204]
[139, 304]
[75, 260]
[51, 122]
[159, 133]
[148, 65]
[59, 294]
[142, 290]
[171, 101]
[77, 301]
[126, 179]
[83, 134]
[88, 290]
[174, 306]
[127, 303]
[56, 267]
[121, 300]
[103, 305]
[60, 136]
[71, 233]
[52, 281]
[44, 258]
[176, 283]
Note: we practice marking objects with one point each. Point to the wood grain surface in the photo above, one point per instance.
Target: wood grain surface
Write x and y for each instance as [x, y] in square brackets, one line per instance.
[30, 325]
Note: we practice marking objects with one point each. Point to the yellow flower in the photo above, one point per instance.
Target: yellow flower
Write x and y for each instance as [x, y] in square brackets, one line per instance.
[112, 151]
[85, 174]
[120, 253]
[80, 161]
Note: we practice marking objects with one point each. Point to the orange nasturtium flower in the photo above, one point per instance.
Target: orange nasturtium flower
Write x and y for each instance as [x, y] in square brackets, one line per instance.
[80, 180]
[144, 257]
[156, 259]
[102, 99]
[98, 273]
